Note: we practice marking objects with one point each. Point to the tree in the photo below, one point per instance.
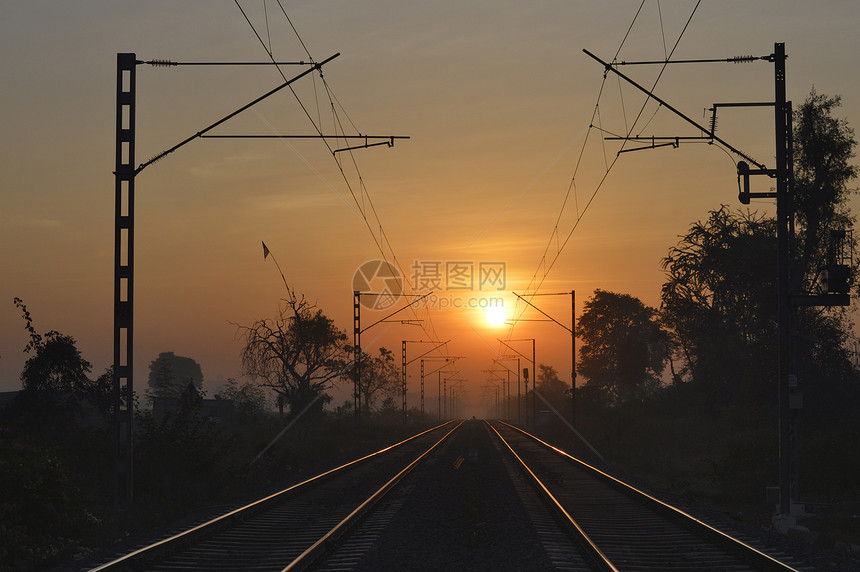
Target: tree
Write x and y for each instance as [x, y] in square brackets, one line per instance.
[170, 374]
[378, 375]
[823, 147]
[56, 363]
[101, 393]
[624, 349]
[298, 354]
[718, 300]
[249, 400]
[552, 388]
[388, 410]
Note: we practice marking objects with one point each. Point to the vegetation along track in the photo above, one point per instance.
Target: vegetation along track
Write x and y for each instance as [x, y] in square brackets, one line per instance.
[288, 528]
[621, 527]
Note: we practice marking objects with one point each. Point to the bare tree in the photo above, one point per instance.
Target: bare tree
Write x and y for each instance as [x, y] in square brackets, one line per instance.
[299, 354]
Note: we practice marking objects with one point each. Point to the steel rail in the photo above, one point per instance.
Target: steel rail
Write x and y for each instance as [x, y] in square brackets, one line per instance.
[218, 523]
[318, 548]
[587, 544]
[734, 545]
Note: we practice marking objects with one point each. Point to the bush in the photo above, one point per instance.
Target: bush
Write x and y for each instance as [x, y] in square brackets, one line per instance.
[43, 516]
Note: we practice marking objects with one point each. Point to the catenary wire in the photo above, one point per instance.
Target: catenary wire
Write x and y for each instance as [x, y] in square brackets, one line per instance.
[543, 260]
[382, 237]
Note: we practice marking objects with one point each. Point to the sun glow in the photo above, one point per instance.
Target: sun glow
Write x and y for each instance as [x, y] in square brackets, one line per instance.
[496, 316]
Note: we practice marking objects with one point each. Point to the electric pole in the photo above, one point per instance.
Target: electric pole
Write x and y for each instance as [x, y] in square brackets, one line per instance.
[572, 331]
[404, 363]
[125, 172]
[789, 295]
[357, 330]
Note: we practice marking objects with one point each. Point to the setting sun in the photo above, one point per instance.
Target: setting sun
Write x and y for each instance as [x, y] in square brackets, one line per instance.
[496, 315]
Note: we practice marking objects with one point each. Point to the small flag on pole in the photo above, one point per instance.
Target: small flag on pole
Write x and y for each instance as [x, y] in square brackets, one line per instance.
[266, 253]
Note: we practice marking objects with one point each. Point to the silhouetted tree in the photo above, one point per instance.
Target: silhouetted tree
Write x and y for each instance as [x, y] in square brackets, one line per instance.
[249, 400]
[389, 410]
[823, 147]
[170, 374]
[624, 349]
[552, 388]
[718, 300]
[378, 375]
[56, 363]
[298, 354]
[823, 174]
[101, 393]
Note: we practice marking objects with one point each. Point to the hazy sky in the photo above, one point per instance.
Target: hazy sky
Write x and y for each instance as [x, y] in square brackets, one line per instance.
[496, 97]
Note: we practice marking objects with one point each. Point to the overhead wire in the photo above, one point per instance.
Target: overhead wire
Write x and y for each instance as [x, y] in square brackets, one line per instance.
[296, 32]
[662, 31]
[650, 119]
[268, 32]
[621, 97]
[535, 284]
[366, 196]
[639, 115]
[381, 239]
[629, 29]
[316, 125]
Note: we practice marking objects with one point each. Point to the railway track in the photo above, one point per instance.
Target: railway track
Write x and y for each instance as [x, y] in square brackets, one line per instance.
[462, 496]
[288, 529]
[621, 527]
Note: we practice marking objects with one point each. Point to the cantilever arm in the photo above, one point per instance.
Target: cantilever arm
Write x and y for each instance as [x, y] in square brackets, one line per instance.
[235, 113]
[733, 149]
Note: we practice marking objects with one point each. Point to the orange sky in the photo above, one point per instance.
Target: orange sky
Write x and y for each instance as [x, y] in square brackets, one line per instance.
[496, 98]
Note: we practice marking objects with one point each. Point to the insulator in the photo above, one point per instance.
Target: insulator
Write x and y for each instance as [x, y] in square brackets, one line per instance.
[743, 59]
[161, 63]
[156, 158]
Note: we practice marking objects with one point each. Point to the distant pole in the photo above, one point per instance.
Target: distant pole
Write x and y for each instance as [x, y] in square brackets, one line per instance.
[403, 380]
[356, 355]
[534, 384]
[356, 349]
[519, 398]
[439, 392]
[572, 330]
[508, 389]
[406, 362]
[526, 382]
[573, 357]
[451, 401]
